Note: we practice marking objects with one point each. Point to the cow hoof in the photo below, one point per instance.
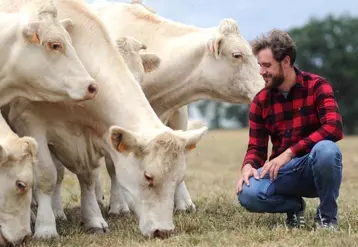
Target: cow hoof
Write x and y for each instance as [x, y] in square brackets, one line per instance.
[116, 211]
[189, 208]
[45, 233]
[96, 225]
[97, 230]
[60, 215]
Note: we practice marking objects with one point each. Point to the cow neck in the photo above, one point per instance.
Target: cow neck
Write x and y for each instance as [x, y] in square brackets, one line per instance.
[120, 100]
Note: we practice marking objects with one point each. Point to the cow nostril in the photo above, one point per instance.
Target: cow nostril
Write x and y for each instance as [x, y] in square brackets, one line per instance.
[92, 88]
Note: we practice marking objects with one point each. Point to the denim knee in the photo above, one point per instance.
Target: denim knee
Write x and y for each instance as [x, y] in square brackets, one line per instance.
[249, 199]
[326, 153]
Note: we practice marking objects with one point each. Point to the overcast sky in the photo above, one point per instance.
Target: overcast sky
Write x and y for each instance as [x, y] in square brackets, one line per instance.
[253, 16]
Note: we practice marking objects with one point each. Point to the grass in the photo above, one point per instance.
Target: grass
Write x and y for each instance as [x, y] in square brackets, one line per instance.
[219, 221]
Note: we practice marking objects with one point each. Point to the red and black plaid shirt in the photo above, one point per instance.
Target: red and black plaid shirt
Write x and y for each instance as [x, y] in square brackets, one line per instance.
[308, 115]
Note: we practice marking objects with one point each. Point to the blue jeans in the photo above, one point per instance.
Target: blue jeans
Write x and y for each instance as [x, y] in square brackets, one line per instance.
[317, 174]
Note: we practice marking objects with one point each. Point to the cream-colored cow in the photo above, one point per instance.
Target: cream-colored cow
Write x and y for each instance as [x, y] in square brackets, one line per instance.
[139, 64]
[17, 158]
[119, 123]
[38, 60]
[214, 63]
[35, 50]
[32, 32]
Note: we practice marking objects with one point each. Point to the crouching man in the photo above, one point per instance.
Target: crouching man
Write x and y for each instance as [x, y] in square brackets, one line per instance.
[299, 112]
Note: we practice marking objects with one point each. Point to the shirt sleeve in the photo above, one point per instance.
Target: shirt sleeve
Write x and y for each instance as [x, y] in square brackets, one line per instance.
[330, 119]
[256, 154]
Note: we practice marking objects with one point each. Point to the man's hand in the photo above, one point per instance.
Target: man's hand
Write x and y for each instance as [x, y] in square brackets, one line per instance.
[247, 172]
[274, 165]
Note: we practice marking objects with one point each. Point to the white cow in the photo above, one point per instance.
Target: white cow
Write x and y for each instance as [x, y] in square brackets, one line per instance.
[38, 60]
[139, 64]
[34, 34]
[214, 63]
[17, 158]
[119, 123]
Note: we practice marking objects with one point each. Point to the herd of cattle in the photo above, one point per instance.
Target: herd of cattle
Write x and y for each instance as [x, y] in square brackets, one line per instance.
[86, 84]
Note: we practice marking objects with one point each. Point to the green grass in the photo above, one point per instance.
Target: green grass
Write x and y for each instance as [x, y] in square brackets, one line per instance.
[219, 221]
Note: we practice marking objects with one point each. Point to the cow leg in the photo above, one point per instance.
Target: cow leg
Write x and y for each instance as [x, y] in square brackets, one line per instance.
[57, 206]
[45, 181]
[117, 203]
[91, 216]
[98, 188]
[182, 199]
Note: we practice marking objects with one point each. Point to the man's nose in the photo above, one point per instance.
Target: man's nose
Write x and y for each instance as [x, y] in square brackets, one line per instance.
[262, 71]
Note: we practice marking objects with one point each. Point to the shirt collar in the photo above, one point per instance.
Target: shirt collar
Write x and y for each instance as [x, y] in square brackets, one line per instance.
[299, 77]
[299, 80]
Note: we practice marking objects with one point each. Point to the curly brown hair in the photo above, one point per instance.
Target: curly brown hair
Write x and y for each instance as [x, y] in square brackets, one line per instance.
[280, 42]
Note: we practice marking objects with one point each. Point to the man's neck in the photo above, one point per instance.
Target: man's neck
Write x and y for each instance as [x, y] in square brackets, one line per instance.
[289, 81]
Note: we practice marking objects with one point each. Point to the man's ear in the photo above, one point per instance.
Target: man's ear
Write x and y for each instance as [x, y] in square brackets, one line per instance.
[286, 62]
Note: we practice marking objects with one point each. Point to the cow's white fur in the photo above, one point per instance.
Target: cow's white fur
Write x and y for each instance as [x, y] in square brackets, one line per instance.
[139, 64]
[38, 60]
[17, 158]
[149, 156]
[214, 63]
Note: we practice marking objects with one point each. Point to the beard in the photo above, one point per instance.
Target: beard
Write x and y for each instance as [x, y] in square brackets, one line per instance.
[276, 80]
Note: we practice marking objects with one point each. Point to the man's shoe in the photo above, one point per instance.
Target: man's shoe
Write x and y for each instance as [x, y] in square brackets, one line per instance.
[322, 222]
[297, 219]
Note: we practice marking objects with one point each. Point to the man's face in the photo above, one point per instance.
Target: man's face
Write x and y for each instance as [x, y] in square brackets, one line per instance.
[270, 69]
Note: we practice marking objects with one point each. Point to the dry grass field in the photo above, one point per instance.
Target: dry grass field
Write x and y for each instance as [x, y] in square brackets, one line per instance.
[219, 220]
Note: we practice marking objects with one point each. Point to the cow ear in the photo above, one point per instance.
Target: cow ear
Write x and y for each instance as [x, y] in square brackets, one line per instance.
[31, 32]
[67, 24]
[124, 141]
[31, 146]
[215, 45]
[3, 155]
[150, 62]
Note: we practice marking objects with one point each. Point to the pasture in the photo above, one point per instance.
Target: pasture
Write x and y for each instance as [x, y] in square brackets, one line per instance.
[219, 220]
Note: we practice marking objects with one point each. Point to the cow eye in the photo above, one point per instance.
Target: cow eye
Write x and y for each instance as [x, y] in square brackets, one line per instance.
[56, 46]
[20, 186]
[237, 55]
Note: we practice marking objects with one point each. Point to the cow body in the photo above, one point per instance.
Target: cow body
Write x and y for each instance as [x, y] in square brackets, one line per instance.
[119, 122]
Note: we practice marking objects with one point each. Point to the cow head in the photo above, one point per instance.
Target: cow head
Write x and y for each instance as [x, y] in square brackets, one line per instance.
[149, 170]
[231, 69]
[17, 158]
[138, 63]
[45, 59]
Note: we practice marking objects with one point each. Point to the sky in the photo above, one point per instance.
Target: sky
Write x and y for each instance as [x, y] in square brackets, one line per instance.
[253, 16]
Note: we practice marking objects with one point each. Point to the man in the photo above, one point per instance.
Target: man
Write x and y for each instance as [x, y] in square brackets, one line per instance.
[299, 112]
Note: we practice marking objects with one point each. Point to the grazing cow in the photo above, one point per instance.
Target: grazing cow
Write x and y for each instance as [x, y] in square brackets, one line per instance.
[138, 64]
[38, 60]
[214, 63]
[118, 123]
[17, 158]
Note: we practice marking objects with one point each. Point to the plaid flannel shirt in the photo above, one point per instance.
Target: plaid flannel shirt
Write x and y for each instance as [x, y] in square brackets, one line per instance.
[308, 115]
